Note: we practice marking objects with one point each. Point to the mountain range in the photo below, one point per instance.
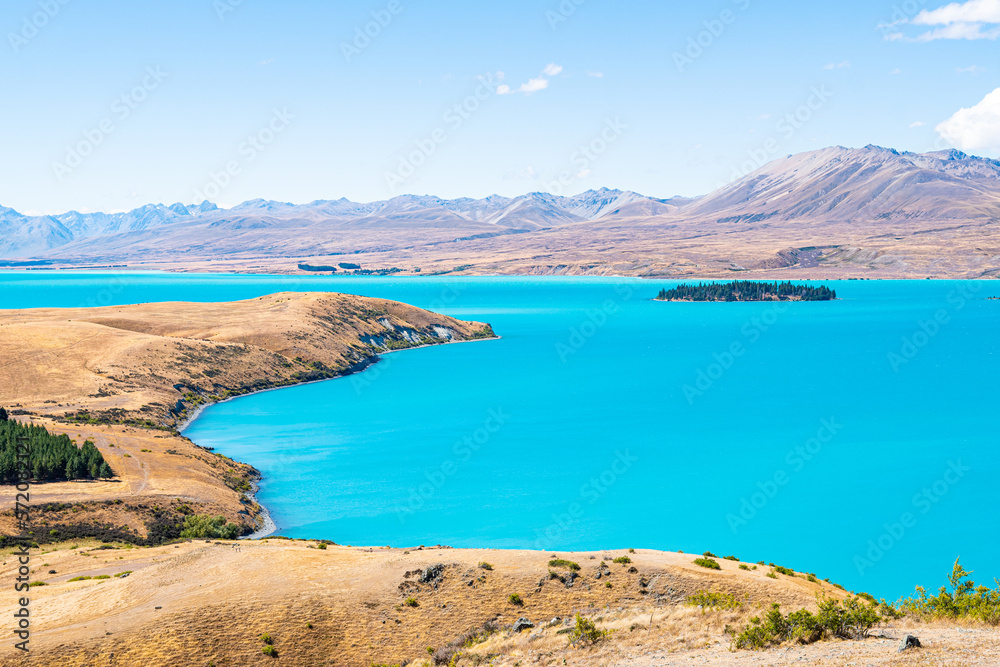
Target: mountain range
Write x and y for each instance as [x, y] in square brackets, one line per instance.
[861, 204]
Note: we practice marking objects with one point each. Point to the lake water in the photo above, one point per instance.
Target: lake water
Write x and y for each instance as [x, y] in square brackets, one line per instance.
[855, 439]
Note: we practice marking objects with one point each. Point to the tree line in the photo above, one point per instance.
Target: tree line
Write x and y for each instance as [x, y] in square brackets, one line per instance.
[746, 290]
[52, 458]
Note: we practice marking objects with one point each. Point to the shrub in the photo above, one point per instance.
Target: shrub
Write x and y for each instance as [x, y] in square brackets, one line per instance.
[851, 619]
[631, 551]
[204, 526]
[515, 600]
[411, 602]
[772, 574]
[267, 639]
[714, 600]
[734, 558]
[709, 554]
[559, 562]
[744, 566]
[485, 566]
[965, 600]
[708, 562]
[270, 651]
[80, 579]
[587, 631]
[783, 570]
[622, 560]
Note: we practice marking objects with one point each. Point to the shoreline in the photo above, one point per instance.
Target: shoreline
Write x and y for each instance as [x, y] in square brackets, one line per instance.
[269, 526]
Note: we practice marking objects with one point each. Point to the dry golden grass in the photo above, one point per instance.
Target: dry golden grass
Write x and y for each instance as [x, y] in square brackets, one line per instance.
[202, 602]
[137, 362]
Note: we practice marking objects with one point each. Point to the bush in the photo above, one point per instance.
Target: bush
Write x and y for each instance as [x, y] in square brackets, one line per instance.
[733, 558]
[587, 631]
[515, 600]
[485, 566]
[708, 562]
[411, 602]
[267, 639]
[559, 562]
[714, 600]
[744, 566]
[965, 600]
[622, 560]
[270, 651]
[204, 526]
[852, 618]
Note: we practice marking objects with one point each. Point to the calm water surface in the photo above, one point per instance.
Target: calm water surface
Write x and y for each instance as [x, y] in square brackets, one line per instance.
[854, 439]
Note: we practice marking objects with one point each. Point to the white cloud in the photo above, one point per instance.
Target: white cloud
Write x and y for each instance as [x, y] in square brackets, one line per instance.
[973, 69]
[523, 174]
[596, 75]
[972, 20]
[973, 11]
[534, 85]
[264, 63]
[918, 123]
[976, 128]
[839, 65]
[895, 72]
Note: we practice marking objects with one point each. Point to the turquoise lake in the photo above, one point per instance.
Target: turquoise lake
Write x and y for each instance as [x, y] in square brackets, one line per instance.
[856, 439]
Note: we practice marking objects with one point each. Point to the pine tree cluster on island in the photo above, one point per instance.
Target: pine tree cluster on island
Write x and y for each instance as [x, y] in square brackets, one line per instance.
[746, 290]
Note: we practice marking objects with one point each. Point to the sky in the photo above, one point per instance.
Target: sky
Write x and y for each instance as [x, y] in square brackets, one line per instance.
[114, 105]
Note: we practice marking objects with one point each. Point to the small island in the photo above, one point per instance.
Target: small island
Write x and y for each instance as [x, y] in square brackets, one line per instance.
[745, 290]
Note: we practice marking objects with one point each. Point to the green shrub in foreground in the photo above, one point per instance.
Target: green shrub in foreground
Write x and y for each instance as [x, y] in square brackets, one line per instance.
[965, 600]
[852, 618]
[714, 600]
[708, 562]
[212, 527]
